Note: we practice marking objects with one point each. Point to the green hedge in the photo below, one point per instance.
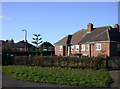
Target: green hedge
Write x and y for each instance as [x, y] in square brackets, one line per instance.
[61, 62]
[33, 53]
[7, 58]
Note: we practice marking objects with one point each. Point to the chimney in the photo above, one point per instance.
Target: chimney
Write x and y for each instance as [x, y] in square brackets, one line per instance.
[89, 28]
[12, 41]
[117, 27]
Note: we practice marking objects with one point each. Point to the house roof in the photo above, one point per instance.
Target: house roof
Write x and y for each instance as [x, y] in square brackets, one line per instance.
[78, 36]
[21, 44]
[100, 34]
[46, 44]
[114, 35]
[64, 41]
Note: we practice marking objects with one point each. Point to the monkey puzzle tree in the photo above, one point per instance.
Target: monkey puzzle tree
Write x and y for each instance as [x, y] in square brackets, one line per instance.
[37, 40]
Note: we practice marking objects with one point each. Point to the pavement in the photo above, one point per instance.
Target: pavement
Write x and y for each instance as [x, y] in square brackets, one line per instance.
[115, 75]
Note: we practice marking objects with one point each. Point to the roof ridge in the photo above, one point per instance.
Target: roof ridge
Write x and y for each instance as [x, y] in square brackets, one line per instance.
[98, 35]
[80, 31]
[102, 27]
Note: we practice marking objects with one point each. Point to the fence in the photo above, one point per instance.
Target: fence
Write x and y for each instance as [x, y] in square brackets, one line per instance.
[114, 62]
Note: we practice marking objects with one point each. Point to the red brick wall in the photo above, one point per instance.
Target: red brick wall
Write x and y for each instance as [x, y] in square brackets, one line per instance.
[57, 52]
[105, 50]
[74, 51]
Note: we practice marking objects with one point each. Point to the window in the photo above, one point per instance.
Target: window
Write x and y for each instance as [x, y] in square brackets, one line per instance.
[60, 48]
[82, 47]
[87, 47]
[98, 46]
[118, 47]
[76, 47]
[72, 47]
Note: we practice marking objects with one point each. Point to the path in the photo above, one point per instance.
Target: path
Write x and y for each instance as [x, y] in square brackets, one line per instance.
[115, 75]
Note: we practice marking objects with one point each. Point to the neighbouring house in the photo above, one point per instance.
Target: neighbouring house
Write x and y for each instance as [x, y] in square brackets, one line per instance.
[9, 45]
[46, 46]
[20, 46]
[91, 42]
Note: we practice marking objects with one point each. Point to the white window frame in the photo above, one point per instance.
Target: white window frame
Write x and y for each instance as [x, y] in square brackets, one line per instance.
[60, 48]
[87, 47]
[82, 47]
[76, 47]
[72, 47]
[98, 46]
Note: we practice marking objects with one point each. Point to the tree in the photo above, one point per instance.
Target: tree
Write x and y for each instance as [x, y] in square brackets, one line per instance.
[37, 40]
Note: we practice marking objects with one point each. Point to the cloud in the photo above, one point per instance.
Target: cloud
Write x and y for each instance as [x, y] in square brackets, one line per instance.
[4, 17]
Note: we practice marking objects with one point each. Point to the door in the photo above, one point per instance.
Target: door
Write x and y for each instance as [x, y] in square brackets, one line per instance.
[90, 50]
[64, 49]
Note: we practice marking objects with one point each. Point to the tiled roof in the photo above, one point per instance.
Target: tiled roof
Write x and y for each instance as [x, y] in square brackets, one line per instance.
[114, 35]
[46, 44]
[21, 44]
[100, 34]
[78, 36]
[64, 41]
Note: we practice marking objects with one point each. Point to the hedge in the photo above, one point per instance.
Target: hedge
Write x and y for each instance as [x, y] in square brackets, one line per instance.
[61, 62]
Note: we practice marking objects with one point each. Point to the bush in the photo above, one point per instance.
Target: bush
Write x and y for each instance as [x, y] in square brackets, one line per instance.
[62, 62]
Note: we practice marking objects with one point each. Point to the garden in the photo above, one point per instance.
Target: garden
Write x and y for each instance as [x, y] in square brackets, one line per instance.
[63, 76]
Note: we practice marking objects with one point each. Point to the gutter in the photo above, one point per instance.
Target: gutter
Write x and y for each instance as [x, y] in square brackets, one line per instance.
[99, 42]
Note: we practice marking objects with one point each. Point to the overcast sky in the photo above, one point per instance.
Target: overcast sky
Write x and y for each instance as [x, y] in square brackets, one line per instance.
[54, 20]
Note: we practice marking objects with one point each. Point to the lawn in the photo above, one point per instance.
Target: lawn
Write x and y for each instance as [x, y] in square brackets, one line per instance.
[72, 77]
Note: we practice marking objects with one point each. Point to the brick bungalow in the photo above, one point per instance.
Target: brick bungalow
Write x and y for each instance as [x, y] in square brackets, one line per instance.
[91, 42]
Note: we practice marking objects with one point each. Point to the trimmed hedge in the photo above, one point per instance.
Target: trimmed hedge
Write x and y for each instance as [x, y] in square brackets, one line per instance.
[61, 62]
[33, 53]
[7, 59]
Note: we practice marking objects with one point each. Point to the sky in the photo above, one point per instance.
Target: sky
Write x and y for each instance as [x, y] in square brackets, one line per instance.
[54, 20]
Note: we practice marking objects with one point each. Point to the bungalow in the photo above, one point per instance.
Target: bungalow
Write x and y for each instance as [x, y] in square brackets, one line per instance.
[91, 42]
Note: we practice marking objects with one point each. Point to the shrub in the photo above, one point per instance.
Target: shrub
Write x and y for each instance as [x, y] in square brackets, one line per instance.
[62, 62]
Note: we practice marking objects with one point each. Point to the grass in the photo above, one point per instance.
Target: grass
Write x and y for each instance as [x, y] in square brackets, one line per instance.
[73, 77]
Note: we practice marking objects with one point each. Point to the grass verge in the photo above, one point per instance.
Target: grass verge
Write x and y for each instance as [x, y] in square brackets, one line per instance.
[74, 77]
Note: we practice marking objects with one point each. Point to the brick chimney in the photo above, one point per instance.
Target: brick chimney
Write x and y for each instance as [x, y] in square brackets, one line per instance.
[117, 27]
[89, 28]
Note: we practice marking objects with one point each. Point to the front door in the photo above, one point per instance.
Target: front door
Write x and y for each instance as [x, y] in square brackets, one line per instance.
[64, 49]
[90, 50]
